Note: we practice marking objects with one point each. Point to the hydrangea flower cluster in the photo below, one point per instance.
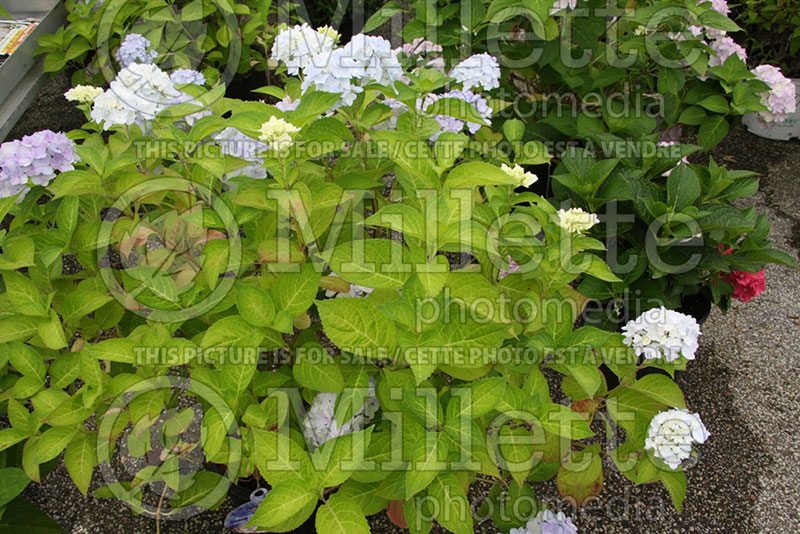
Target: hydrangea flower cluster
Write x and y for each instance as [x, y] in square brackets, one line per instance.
[320, 425]
[660, 332]
[138, 93]
[277, 133]
[134, 49]
[83, 94]
[781, 99]
[672, 433]
[546, 522]
[576, 220]
[452, 124]
[477, 70]
[184, 76]
[725, 47]
[525, 179]
[365, 59]
[233, 142]
[36, 157]
[746, 286]
[296, 46]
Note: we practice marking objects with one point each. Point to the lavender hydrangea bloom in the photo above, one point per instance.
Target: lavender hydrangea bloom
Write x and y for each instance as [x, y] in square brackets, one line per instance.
[724, 48]
[781, 99]
[546, 522]
[183, 76]
[134, 49]
[36, 157]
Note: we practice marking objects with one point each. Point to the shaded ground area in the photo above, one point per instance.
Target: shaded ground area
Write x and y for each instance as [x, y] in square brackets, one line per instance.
[744, 384]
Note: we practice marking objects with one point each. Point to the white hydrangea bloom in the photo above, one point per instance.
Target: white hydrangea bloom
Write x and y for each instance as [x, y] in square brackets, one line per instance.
[138, 93]
[781, 99]
[525, 179]
[560, 5]
[84, 94]
[477, 70]
[320, 425]
[375, 55]
[277, 133]
[576, 220]
[724, 48]
[232, 142]
[184, 76]
[356, 291]
[672, 433]
[287, 104]
[660, 332]
[296, 46]
[333, 72]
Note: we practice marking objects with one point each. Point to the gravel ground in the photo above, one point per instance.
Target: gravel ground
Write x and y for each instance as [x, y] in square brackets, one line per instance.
[744, 384]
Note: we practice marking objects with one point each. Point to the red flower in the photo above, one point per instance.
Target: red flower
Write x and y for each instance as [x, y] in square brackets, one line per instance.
[746, 285]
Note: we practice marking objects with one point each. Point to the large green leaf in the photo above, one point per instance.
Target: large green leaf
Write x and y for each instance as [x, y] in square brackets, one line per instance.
[341, 515]
[375, 263]
[355, 325]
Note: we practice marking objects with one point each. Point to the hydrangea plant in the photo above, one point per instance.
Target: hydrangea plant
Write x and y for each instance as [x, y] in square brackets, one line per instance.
[158, 270]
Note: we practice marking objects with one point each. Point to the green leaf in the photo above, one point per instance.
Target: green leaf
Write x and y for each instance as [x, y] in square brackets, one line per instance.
[513, 130]
[80, 460]
[53, 441]
[675, 482]
[712, 131]
[562, 421]
[683, 187]
[282, 502]
[17, 328]
[662, 389]
[454, 512]
[374, 263]
[386, 12]
[81, 303]
[427, 459]
[341, 515]
[401, 218]
[458, 108]
[114, 350]
[580, 477]
[294, 292]
[14, 481]
[321, 375]
[354, 324]
[26, 360]
[477, 173]
[231, 331]
[23, 516]
[23, 294]
[337, 459]
[255, 305]
[280, 458]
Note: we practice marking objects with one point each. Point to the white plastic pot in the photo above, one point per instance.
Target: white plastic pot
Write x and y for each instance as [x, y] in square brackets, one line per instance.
[781, 131]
